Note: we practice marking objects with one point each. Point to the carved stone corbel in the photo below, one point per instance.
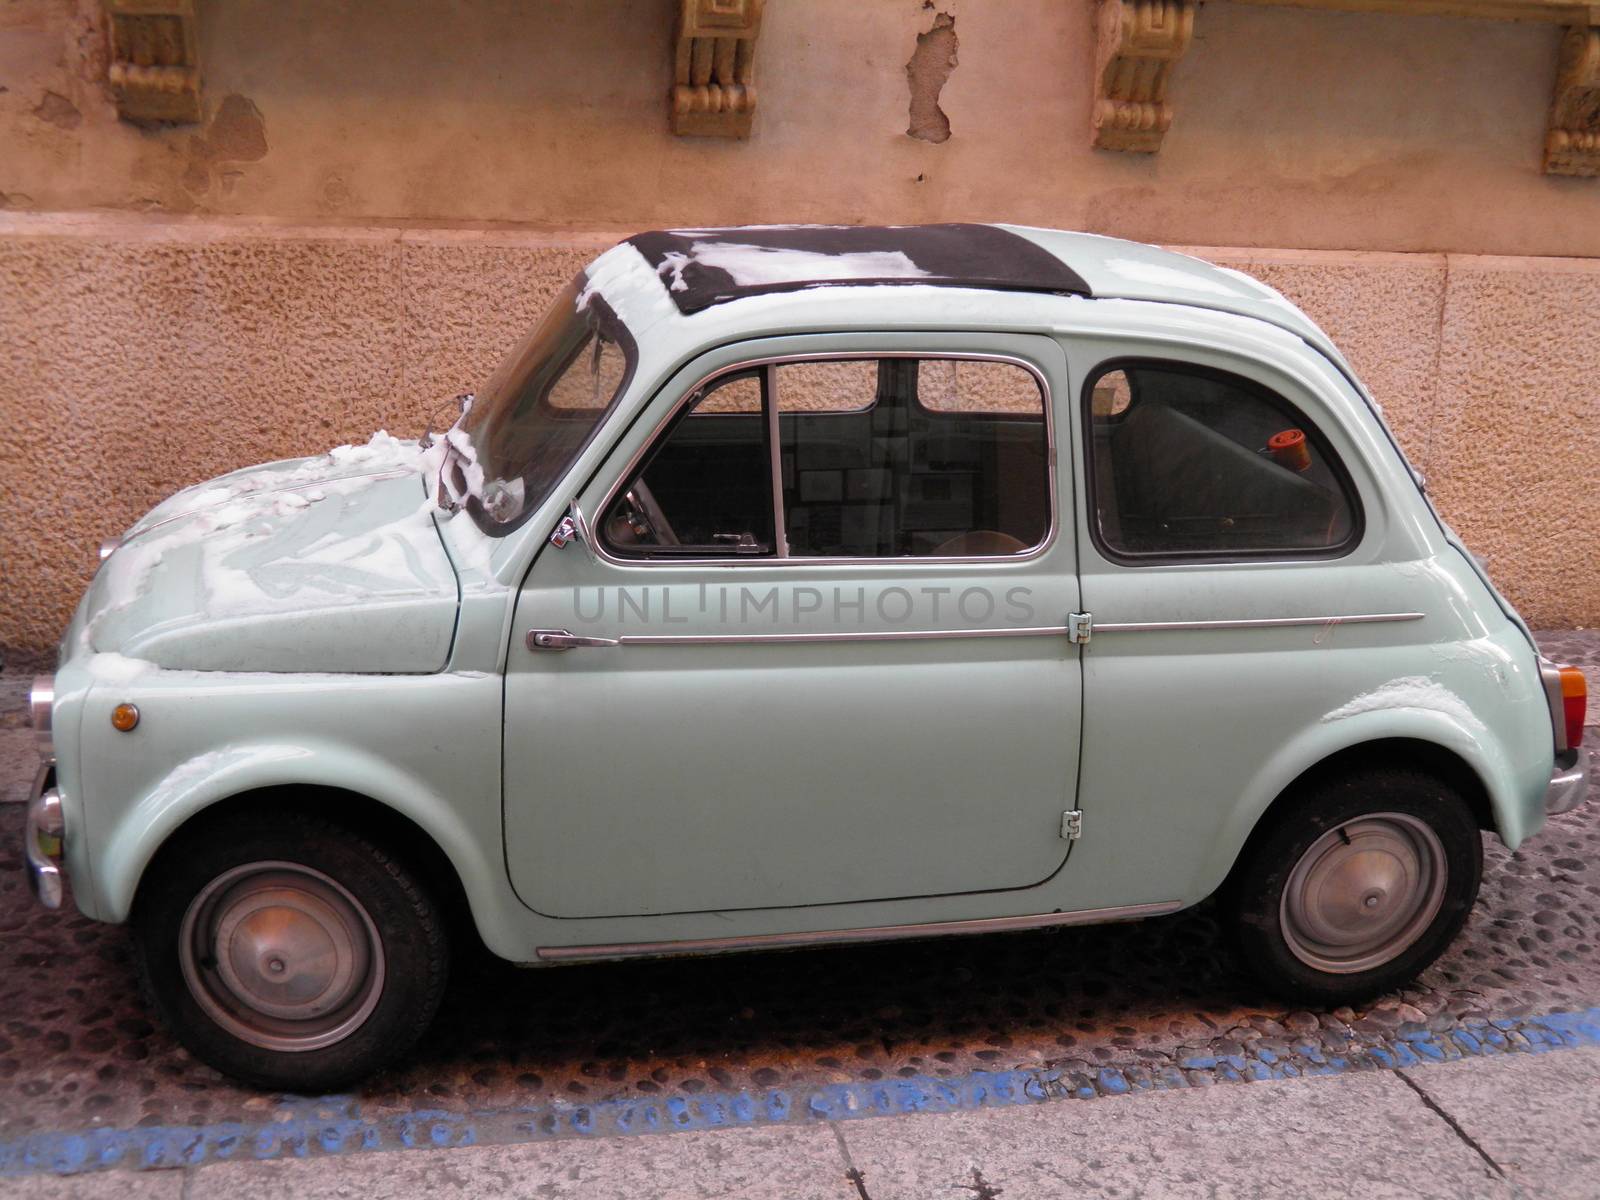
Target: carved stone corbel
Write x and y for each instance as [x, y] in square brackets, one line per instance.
[1572, 144]
[713, 92]
[155, 61]
[1140, 42]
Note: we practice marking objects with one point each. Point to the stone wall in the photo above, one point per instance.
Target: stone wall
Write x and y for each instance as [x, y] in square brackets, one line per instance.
[140, 355]
[1324, 130]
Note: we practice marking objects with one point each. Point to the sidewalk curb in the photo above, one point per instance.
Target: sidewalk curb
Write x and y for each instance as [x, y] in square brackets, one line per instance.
[334, 1125]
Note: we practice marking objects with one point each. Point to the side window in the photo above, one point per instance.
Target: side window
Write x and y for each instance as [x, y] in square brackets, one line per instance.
[1189, 462]
[705, 489]
[901, 457]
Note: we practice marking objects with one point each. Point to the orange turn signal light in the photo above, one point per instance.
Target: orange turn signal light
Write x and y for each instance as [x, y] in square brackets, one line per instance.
[124, 717]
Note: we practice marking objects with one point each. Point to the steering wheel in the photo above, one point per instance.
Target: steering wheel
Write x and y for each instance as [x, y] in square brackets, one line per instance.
[650, 523]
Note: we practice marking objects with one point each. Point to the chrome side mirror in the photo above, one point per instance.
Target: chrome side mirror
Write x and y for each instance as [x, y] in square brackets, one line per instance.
[566, 529]
[572, 528]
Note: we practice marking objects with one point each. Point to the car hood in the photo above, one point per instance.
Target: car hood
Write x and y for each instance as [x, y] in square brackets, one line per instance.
[326, 564]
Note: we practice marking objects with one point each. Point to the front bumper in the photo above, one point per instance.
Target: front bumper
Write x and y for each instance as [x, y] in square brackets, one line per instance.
[41, 844]
[44, 826]
[1569, 785]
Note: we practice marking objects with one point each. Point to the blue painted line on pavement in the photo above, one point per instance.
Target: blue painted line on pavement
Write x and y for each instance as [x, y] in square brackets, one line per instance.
[335, 1125]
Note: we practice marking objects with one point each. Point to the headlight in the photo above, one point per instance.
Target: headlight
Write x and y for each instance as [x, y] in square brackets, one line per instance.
[41, 699]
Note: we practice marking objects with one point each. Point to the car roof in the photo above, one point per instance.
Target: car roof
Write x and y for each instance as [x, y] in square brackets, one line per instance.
[700, 270]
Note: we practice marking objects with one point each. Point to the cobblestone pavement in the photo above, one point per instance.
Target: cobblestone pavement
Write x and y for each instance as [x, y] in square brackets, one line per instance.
[79, 1049]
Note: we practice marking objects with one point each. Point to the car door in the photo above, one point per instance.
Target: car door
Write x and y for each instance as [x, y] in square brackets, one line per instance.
[813, 648]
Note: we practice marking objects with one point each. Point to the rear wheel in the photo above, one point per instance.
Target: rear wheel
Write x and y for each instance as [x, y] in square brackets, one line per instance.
[290, 952]
[1356, 886]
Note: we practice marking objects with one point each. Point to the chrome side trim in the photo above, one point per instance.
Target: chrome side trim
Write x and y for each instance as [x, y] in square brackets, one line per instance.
[561, 639]
[875, 933]
[1253, 622]
[783, 639]
[603, 554]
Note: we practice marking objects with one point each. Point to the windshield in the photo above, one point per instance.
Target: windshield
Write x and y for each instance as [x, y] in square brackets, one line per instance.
[543, 403]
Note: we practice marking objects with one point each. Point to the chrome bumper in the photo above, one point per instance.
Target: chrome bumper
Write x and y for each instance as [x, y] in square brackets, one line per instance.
[41, 842]
[1570, 783]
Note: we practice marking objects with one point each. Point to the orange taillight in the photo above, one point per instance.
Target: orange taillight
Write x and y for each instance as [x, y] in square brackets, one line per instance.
[1574, 703]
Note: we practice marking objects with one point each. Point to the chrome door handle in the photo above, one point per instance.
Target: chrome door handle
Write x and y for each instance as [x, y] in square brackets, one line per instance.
[560, 639]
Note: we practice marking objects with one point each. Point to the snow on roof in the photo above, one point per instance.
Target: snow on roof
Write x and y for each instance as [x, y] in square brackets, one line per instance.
[702, 267]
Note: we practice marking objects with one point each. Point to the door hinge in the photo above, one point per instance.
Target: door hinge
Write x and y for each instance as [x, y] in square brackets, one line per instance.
[1072, 824]
[1079, 627]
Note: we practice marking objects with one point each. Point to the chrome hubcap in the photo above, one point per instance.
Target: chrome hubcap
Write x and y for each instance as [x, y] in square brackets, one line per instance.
[1363, 893]
[281, 956]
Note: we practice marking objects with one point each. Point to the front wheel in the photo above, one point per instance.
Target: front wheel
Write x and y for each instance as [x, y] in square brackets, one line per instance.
[1357, 886]
[290, 952]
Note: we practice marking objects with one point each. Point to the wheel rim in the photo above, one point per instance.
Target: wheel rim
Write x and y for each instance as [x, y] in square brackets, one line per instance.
[281, 956]
[1363, 893]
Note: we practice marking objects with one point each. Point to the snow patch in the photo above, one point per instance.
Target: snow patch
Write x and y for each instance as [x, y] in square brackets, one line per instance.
[1169, 278]
[117, 668]
[1410, 691]
[198, 769]
[757, 266]
[674, 261]
[264, 536]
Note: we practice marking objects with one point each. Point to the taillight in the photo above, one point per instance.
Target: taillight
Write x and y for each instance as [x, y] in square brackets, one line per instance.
[1574, 703]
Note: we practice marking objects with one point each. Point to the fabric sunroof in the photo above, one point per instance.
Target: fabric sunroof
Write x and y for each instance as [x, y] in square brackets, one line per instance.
[703, 267]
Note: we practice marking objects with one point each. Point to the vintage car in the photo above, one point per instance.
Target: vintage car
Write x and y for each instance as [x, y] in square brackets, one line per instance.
[797, 585]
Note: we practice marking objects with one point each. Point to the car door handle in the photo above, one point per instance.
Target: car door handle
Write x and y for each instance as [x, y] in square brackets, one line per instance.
[560, 639]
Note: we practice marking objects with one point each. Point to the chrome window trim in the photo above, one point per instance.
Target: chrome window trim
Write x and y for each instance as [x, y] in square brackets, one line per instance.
[773, 361]
[769, 404]
[874, 933]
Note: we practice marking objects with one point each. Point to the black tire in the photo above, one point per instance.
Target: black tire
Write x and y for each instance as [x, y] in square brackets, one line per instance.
[350, 902]
[1289, 925]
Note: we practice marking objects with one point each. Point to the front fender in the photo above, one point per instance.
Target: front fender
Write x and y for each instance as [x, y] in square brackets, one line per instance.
[1514, 796]
[217, 775]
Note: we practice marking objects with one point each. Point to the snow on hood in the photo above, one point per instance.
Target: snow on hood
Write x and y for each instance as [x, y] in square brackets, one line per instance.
[330, 563]
[1410, 691]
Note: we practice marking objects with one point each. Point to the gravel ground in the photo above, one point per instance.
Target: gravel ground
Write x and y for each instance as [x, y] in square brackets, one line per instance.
[79, 1048]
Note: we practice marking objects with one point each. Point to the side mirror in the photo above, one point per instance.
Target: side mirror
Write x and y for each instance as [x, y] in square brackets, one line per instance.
[572, 528]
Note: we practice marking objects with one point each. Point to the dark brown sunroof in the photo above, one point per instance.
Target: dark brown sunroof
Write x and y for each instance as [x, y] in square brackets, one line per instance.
[702, 267]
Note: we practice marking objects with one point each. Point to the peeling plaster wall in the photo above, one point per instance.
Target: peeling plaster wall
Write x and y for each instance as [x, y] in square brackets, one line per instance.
[1293, 128]
[142, 355]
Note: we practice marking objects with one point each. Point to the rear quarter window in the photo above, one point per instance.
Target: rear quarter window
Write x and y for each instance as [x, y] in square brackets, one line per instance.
[1187, 462]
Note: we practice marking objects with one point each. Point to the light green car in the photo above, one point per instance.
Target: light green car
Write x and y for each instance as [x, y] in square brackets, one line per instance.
[794, 585]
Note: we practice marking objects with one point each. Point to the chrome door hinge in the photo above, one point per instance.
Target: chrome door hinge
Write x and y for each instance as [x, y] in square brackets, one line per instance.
[1079, 627]
[1072, 824]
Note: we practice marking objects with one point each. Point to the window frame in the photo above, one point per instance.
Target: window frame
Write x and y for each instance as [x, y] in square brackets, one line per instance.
[769, 364]
[1269, 396]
